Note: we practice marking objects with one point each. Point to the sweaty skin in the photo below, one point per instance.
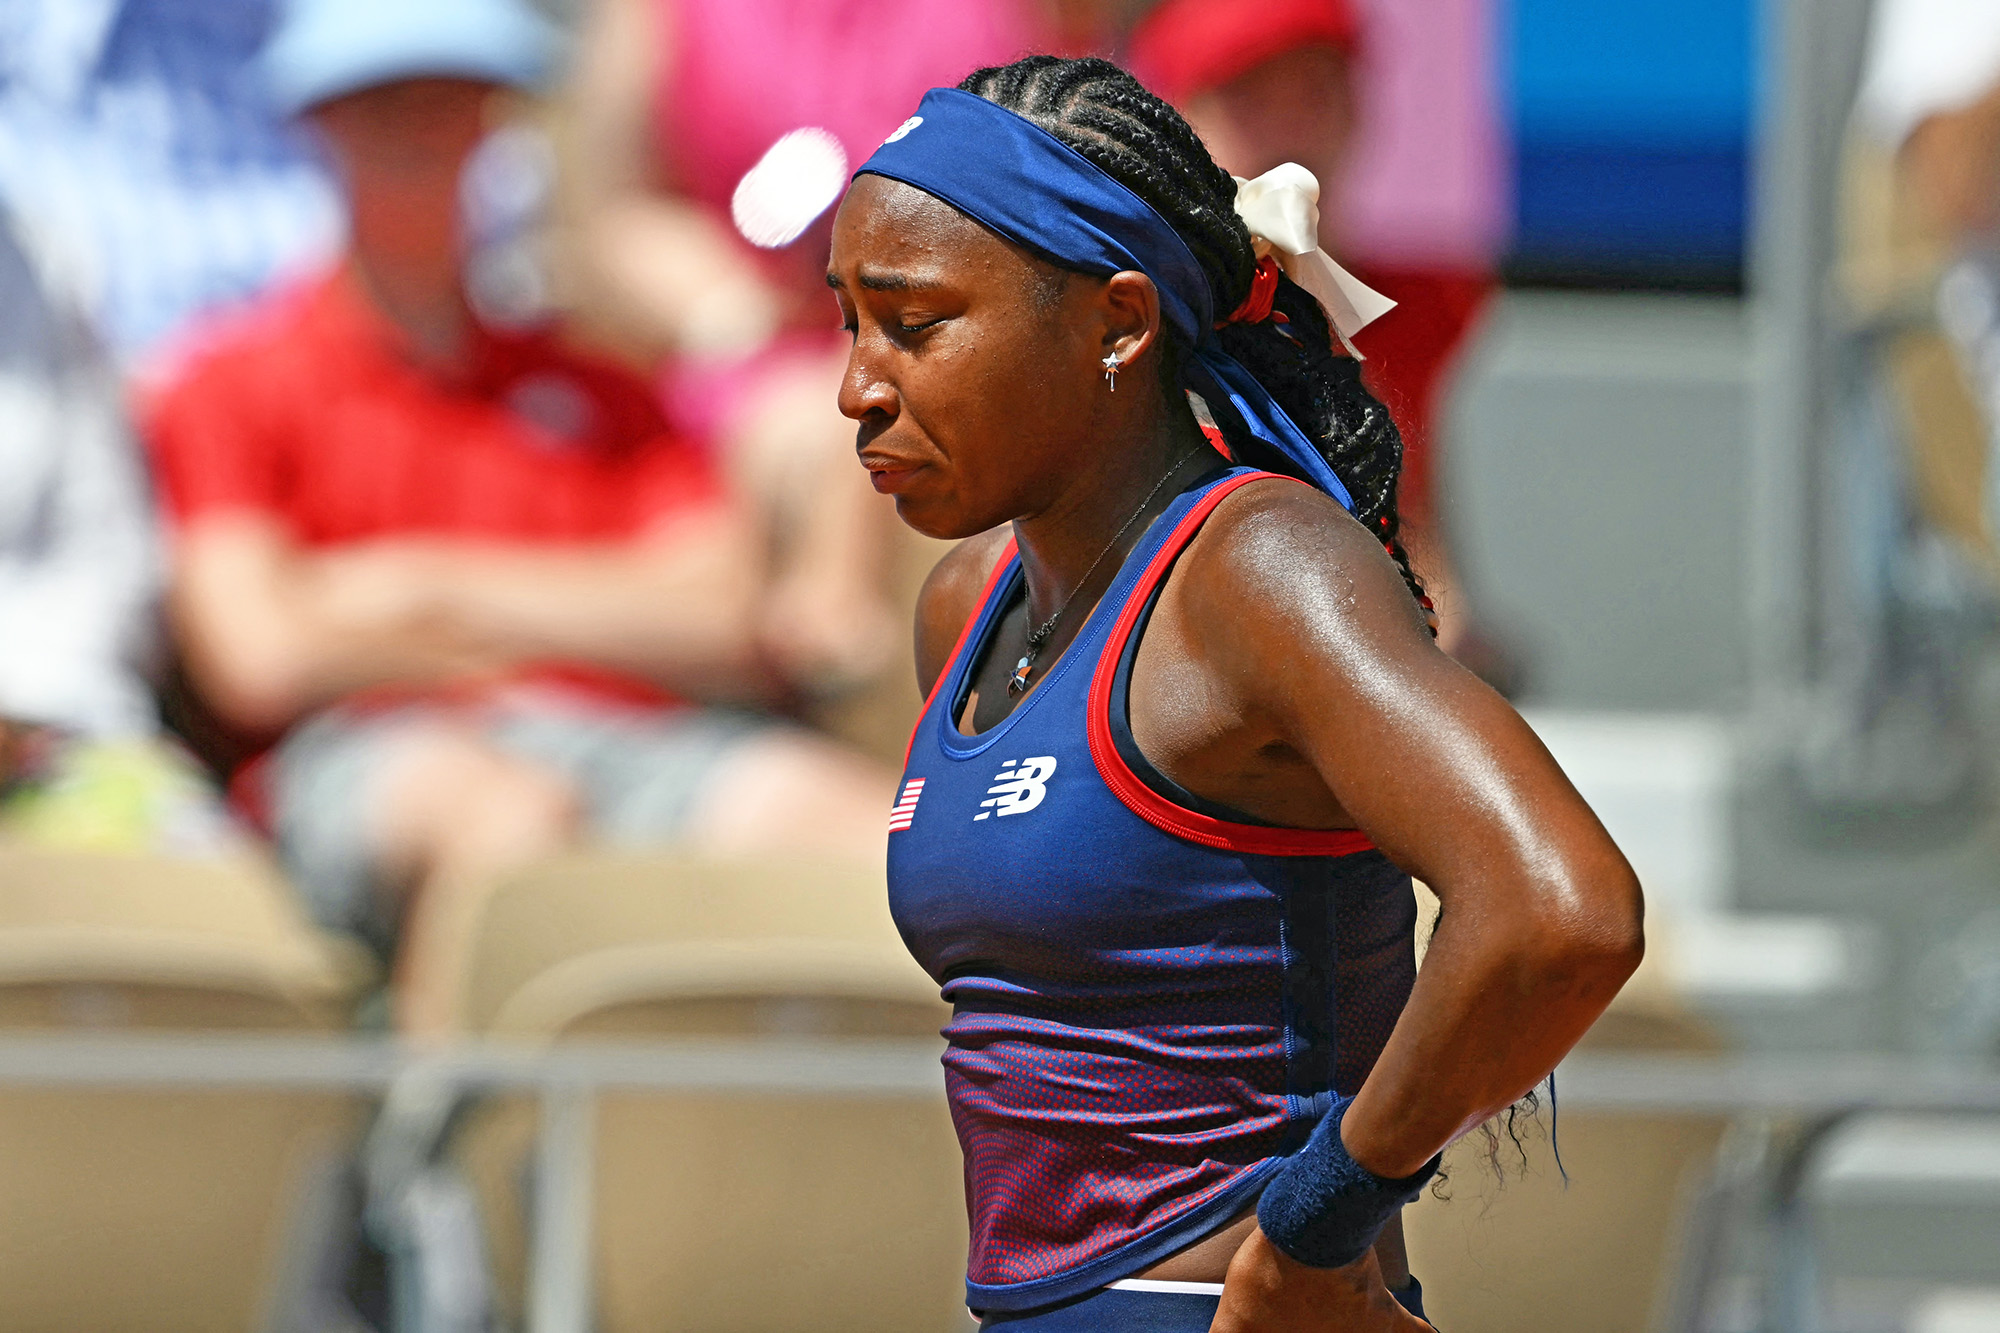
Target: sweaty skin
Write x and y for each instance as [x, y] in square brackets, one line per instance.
[1286, 673]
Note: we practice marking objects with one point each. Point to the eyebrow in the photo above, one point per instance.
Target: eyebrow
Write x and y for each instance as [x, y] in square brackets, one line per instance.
[885, 282]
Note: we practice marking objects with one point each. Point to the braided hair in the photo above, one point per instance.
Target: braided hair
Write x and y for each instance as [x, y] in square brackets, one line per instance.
[1139, 141]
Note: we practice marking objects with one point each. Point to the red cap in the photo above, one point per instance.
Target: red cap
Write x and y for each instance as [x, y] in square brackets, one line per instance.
[1186, 47]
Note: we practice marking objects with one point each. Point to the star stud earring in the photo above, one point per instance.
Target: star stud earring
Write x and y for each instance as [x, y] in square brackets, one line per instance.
[1112, 365]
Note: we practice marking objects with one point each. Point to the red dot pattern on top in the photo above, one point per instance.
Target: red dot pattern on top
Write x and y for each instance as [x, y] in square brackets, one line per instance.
[1088, 1115]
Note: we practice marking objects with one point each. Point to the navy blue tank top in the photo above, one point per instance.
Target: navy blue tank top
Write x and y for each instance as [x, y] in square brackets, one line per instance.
[1153, 1000]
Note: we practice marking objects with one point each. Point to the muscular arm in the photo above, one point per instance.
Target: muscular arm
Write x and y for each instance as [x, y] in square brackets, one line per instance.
[647, 268]
[1311, 648]
[274, 630]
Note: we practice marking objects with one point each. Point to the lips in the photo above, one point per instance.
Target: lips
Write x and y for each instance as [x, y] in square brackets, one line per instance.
[889, 475]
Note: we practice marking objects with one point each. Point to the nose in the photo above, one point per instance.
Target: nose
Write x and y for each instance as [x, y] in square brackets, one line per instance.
[865, 394]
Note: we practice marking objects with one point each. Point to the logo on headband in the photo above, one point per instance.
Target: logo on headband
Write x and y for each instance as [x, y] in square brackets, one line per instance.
[903, 130]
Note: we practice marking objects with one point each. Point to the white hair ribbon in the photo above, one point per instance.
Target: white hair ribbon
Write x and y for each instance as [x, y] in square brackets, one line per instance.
[1281, 209]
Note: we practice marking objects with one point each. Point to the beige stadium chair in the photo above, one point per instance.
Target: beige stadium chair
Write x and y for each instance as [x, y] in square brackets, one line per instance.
[157, 1210]
[731, 1213]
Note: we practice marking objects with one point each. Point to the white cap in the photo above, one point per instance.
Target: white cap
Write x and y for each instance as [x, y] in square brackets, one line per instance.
[324, 49]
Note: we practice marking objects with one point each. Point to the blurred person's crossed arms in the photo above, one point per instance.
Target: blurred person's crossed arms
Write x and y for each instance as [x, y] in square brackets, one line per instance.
[466, 577]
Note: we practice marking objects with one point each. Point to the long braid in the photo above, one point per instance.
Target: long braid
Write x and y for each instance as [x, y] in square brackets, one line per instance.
[1144, 144]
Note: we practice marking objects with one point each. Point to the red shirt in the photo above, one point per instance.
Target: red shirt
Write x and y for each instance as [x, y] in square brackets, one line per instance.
[307, 410]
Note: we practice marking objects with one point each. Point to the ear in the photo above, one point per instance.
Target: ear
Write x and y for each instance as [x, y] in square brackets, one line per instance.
[1133, 324]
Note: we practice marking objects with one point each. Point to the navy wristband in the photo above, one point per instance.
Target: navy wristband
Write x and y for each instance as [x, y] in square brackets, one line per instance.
[1325, 1209]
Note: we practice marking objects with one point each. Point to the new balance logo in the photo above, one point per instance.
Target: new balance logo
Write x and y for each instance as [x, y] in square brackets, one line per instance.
[906, 805]
[1017, 790]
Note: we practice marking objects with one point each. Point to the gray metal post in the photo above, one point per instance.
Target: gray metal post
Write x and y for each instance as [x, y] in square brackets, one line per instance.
[1812, 57]
[559, 1266]
[1784, 299]
[1791, 1299]
[1729, 1195]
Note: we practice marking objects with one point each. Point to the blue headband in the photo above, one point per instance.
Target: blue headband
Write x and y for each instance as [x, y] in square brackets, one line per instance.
[1014, 177]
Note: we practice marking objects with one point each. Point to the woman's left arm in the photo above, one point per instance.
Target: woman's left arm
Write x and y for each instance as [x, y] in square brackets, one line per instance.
[1319, 645]
[1310, 644]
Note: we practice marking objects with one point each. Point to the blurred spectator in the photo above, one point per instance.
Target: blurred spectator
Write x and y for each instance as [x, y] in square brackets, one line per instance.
[464, 571]
[708, 141]
[1263, 85]
[685, 243]
[1930, 104]
[1932, 91]
[81, 764]
[1916, 377]
[1271, 81]
[138, 146]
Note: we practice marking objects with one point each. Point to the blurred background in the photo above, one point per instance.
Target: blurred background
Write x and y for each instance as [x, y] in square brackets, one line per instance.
[452, 672]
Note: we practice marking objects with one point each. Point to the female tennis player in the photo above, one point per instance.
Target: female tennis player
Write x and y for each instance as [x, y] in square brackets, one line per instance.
[1187, 735]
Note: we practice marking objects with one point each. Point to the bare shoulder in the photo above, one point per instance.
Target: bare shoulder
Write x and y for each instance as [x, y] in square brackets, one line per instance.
[949, 597]
[1288, 562]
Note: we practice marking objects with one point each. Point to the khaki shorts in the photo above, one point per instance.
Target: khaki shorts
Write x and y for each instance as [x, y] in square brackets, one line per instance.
[639, 774]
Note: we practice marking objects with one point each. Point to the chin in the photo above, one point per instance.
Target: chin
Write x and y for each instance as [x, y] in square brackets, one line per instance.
[941, 521]
[930, 520]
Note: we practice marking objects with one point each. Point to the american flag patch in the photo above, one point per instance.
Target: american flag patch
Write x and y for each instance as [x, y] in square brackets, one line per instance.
[906, 805]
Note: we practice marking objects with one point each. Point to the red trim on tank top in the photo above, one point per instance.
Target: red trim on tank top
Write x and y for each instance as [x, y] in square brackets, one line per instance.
[951, 663]
[1128, 787]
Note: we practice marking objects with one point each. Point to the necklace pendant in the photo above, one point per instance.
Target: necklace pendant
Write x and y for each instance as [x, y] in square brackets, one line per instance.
[1018, 682]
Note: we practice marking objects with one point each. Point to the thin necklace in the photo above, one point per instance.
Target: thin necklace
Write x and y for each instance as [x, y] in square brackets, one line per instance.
[1040, 635]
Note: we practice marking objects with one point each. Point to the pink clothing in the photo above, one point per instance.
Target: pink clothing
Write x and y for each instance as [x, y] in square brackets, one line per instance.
[743, 73]
[1427, 184]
